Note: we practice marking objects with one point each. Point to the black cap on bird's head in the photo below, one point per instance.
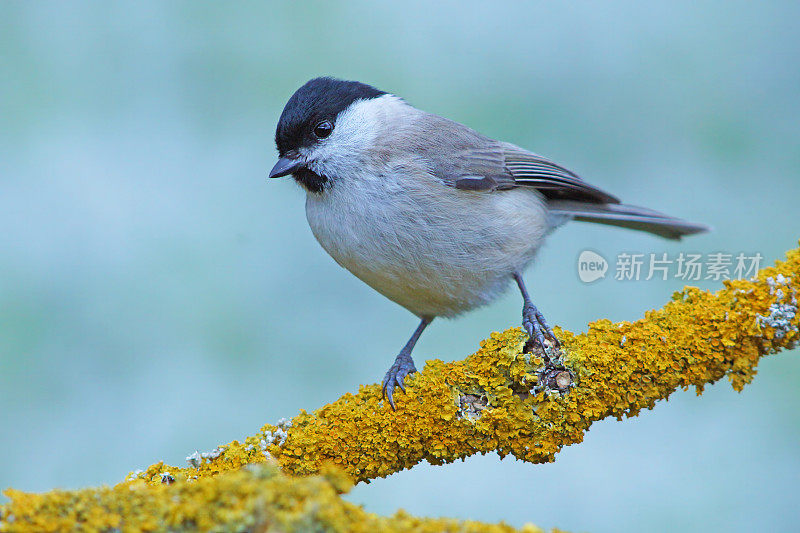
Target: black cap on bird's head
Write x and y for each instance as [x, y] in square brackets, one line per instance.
[310, 116]
[318, 100]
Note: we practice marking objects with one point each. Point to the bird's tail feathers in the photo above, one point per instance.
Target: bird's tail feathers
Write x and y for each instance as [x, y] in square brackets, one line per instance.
[627, 216]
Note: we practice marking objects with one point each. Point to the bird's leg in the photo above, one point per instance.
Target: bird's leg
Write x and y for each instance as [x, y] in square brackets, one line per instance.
[403, 365]
[533, 320]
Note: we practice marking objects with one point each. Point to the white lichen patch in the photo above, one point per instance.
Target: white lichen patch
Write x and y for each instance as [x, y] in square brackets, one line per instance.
[279, 435]
[136, 474]
[783, 312]
[275, 437]
[780, 318]
[264, 445]
[196, 459]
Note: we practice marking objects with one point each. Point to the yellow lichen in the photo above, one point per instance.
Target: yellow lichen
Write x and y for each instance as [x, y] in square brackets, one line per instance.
[254, 499]
[620, 369]
[490, 401]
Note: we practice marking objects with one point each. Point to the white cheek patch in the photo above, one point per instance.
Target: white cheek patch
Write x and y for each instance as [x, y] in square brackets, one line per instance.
[354, 133]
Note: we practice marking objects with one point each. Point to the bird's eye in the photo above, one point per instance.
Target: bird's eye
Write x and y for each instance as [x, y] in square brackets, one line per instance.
[323, 129]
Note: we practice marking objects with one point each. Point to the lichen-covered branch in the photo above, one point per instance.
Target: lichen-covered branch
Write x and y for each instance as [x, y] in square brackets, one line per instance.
[258, 498]
[499, 399]
[494, 401]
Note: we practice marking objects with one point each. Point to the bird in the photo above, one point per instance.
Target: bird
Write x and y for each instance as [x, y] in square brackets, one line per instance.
[428, 212]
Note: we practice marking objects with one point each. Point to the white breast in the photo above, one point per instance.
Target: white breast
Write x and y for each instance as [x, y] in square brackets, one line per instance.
[433, 249]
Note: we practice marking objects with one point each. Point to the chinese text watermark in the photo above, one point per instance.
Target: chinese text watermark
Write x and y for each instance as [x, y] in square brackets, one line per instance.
[684, 266]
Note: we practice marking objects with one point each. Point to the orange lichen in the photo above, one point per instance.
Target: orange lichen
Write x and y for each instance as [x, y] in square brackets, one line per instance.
[257, 498]
[491, 401]
[620, 369]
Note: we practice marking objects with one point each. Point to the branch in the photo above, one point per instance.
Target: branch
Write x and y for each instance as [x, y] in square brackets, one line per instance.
[258, 498]
[493, 400]
[506, 400]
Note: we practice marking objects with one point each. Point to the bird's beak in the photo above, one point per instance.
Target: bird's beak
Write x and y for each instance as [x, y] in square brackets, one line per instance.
[285, 166]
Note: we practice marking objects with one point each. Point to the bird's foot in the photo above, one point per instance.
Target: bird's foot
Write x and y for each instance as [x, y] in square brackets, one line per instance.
[402, 367]
[537, 329]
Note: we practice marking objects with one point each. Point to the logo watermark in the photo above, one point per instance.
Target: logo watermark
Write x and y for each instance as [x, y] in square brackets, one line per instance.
[591, 266]
[715, 266]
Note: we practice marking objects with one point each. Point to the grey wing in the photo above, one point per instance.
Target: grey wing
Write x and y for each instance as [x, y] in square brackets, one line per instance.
[482, 164]
[490, 165]
[552, 180]
[569, 195]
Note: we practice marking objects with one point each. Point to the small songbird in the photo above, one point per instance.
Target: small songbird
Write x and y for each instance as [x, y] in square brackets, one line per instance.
[431, 214]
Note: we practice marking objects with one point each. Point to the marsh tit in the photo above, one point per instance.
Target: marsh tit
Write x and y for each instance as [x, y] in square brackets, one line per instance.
[433, 215]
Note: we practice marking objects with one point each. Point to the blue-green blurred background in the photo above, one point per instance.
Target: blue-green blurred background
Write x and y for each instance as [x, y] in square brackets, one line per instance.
[158, 295]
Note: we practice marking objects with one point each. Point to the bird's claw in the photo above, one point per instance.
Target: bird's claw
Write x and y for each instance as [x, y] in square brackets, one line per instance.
[403, 366]
[536, 327]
